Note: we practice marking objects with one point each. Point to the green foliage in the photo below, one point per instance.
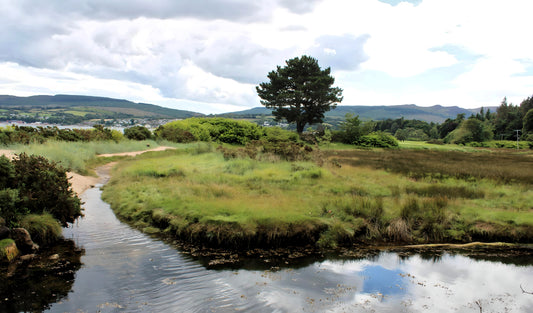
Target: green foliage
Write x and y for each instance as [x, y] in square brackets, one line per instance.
[378, 140]
[7, 172]
[470, 130]
[210, 129]
[137, 133]
[300, 92]
[508, 119]
[10, 210]
[28, 135]
[42, 186]
[528, 123]
[351, 130]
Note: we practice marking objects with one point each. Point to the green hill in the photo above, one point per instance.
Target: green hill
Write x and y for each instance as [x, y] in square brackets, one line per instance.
[73, 108]
[436, 113]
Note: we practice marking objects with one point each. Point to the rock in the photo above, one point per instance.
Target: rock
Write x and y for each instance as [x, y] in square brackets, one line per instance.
[54, 257]
[27, 257]
[4, 232]
[23, 240]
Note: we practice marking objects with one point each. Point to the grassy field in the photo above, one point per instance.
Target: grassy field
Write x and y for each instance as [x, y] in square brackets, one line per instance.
[80, 156]
[372, 196]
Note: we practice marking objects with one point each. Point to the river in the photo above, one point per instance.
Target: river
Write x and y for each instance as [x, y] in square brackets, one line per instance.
[124, 270]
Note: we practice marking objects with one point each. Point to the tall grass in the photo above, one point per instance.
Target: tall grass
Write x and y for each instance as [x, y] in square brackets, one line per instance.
[76, 155]
[199, 195]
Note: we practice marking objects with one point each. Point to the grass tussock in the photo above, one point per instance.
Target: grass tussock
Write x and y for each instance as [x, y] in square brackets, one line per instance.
[44, 229]
[201, 195]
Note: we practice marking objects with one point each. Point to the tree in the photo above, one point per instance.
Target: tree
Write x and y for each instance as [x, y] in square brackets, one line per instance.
[351, 129]
[528, 123]
[300, 92]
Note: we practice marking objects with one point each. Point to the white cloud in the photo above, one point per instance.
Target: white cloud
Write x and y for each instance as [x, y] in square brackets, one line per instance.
[194, 52]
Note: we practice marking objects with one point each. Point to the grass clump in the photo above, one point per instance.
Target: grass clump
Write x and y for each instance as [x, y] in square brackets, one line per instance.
[44, 228]
[8, 250]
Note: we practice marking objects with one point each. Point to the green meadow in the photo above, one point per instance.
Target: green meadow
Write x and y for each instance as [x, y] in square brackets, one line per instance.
[339, 196]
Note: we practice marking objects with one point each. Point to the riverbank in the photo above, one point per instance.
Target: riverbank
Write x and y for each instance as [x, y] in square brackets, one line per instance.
[205, 199]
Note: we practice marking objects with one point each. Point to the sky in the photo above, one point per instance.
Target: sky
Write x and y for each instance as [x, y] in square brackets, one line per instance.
[208, 56]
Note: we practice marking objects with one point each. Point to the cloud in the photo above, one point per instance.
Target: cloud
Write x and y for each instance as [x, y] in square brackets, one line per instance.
[340, 52]
[300, 6]
[240, 10]
[216, 50]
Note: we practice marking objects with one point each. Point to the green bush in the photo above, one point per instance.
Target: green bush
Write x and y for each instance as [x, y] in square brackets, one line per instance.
[137, 133]
[210, 129]
[377, 140]
[39, 186]
[9, 208]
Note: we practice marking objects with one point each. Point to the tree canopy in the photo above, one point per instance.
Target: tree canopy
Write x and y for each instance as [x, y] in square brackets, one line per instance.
[300, 92]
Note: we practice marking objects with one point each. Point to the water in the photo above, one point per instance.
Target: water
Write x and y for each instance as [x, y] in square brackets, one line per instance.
[124, 270]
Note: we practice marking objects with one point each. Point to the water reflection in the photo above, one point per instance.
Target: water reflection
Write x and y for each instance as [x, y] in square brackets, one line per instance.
[34, 287]
[126, 271]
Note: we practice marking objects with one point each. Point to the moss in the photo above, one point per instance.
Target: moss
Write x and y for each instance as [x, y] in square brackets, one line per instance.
[8, 250]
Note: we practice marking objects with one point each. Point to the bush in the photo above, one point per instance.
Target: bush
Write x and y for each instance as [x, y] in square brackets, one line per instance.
[9, 208]
[377, 140]
[43, 187]
[137, 133]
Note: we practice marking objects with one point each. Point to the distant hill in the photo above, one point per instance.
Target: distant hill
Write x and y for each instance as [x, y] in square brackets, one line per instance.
[436, 113]
[84, 107]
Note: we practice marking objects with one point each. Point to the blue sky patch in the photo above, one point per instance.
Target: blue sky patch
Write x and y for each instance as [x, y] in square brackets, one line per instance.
[396, 2]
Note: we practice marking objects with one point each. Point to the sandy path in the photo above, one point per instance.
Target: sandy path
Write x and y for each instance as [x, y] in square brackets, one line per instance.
[81, 183]
[134, 153]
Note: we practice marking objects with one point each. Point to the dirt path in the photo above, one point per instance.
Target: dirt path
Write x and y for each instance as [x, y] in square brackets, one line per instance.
[134, 153]
[81, 183]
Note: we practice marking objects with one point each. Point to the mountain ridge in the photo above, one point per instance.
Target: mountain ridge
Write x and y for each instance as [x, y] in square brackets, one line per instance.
[112, 108]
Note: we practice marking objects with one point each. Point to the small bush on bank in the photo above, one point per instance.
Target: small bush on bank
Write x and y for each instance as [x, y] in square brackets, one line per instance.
[37, 186]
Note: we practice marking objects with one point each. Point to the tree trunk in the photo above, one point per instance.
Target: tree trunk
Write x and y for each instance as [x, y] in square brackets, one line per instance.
[300, 127]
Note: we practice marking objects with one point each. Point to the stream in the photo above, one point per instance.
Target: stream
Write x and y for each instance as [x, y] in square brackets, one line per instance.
[120, 269]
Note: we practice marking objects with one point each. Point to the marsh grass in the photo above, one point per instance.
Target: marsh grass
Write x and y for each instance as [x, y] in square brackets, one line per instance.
[197, 194]
[504, 167]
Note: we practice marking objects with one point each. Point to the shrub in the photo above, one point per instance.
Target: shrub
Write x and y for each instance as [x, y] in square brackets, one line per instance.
[9, 208]
[137, 133]
[43, 186]
[377, 140]
[7, 172]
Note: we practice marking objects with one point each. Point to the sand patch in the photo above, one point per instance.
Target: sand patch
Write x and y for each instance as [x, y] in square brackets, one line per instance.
[8, 153]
